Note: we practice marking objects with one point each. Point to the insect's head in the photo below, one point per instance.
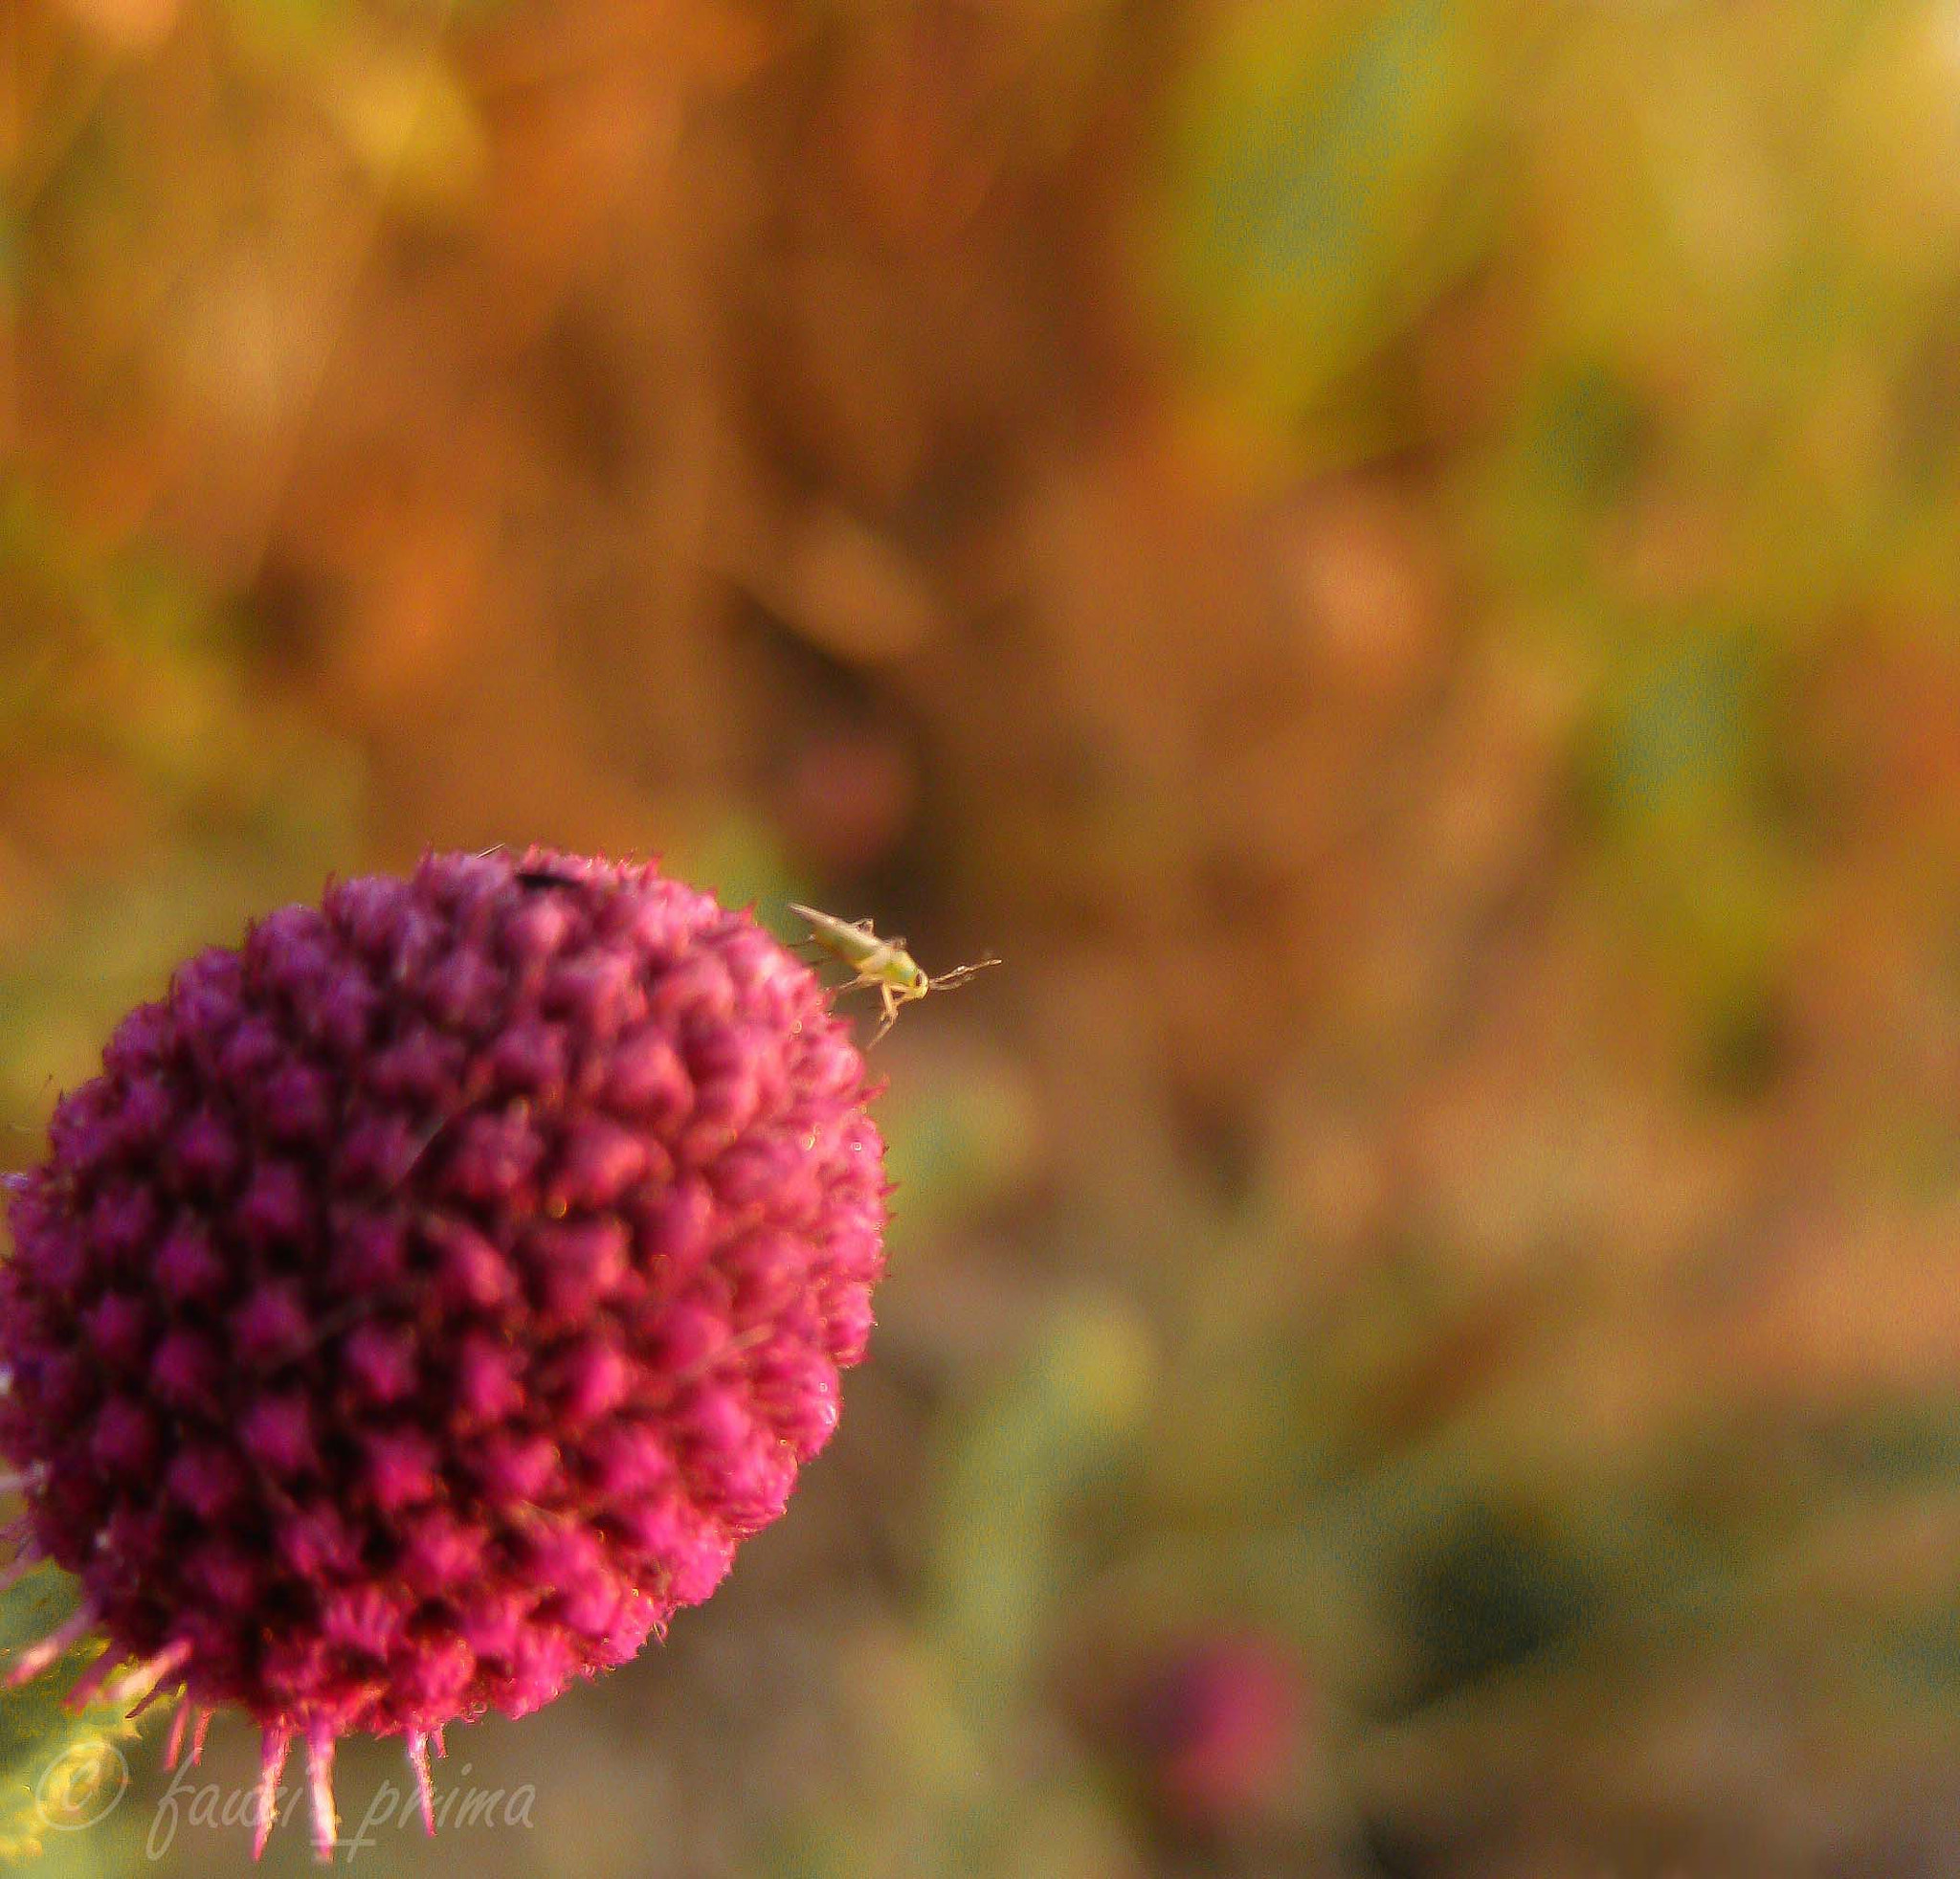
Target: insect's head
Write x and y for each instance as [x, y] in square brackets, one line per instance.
[916, 984]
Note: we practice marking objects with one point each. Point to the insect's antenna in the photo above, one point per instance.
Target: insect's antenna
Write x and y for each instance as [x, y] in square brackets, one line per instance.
[960, 974]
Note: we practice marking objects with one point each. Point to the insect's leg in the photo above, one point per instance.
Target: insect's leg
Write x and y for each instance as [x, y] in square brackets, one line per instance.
[891, 1014]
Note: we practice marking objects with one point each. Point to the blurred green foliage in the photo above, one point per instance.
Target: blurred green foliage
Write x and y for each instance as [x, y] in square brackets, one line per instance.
[62, 1772]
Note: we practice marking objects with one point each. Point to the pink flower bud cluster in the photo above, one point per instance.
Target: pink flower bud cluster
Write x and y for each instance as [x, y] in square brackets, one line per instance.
[432, 1293]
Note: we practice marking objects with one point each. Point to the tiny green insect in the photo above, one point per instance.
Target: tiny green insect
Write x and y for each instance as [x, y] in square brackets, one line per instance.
[883, 964]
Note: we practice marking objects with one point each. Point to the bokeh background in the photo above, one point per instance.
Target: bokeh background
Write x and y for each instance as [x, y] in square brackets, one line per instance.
[1400, 559]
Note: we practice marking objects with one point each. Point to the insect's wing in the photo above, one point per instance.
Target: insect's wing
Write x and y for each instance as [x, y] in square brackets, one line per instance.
[826, 928]
[829, 923]
[853, 945]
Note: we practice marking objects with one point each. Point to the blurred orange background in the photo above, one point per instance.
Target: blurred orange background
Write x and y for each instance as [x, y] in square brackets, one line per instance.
[1399, 559]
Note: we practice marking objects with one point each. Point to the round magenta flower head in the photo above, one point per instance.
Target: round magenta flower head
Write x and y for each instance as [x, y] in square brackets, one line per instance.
[430, 1294]
[1217, 1721]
